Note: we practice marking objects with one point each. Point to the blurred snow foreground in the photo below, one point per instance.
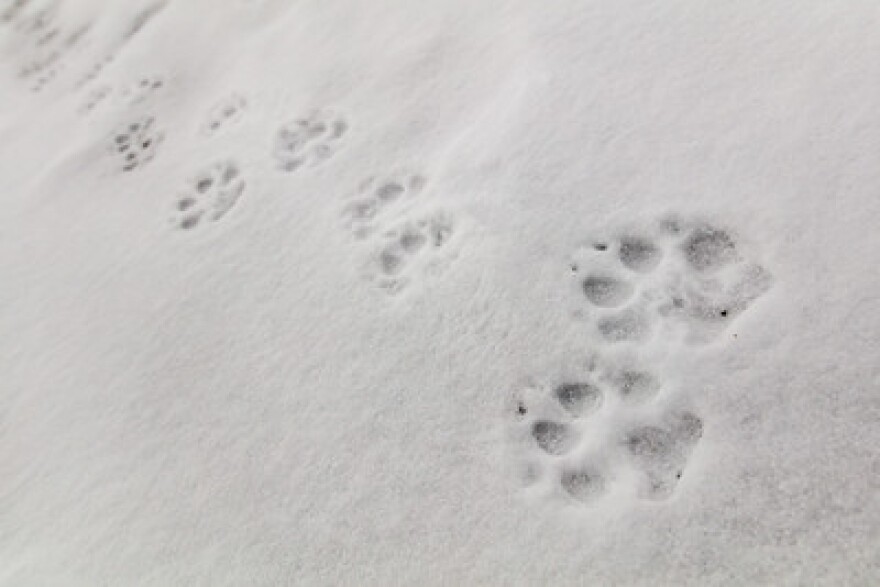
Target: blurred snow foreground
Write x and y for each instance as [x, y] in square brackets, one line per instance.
[439, 293]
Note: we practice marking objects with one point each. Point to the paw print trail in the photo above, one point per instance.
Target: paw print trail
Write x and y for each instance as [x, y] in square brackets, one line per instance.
[619, 428]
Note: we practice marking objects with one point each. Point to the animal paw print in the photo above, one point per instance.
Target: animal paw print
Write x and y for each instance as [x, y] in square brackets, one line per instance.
[210, 195]
[46, 45]
[143, 89]
[309, 141]
[138, 23]
[411, 250]
[94, 71]
[137, 143]
[43, 73]
[224, 113]
[95, 97]
[42, 69]
[689, 277]
[585, 437]
[376, 196]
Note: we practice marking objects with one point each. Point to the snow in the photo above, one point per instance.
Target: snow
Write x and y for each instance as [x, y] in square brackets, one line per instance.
[439, 293]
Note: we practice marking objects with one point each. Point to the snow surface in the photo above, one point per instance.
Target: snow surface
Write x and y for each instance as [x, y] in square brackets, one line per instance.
[439, 293]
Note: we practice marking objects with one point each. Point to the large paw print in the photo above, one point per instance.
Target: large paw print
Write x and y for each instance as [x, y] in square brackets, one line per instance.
[609, 430]
[677, 276]
[137, 143]
[376, 196]
[210, 195]
[411, 250]
[309, 141]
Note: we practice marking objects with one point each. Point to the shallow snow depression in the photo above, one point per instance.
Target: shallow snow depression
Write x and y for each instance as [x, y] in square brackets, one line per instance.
[439, 293]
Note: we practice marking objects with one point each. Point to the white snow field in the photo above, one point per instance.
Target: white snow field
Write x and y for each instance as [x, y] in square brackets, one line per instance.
[407, 292]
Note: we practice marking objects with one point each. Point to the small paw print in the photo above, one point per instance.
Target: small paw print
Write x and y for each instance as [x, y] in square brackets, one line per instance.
[309, 141]
[209, 196]
[411, 250]
[224, 114]
[95, 97]
[143, 89]
[376, 197]
[137, 143]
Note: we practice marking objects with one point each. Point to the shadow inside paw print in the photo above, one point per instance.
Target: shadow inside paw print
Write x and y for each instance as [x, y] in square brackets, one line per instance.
[309, 141]
[708, 248]
[579, 398]
[639, 253]
[583, 483]
[553, 437]
[210, 195]
[630, 325]
[661, 453]
[606, 291]
[635, 385]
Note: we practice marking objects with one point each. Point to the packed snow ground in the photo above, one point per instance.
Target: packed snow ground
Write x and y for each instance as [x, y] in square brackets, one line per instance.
[439, 293]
